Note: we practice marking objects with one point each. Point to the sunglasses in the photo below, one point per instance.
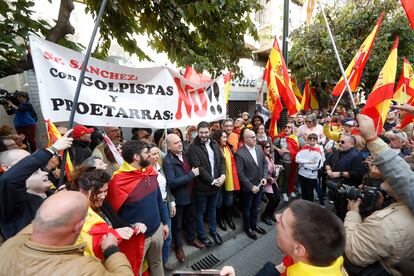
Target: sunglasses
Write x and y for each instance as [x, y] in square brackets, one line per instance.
[308, 121]
[267, 147]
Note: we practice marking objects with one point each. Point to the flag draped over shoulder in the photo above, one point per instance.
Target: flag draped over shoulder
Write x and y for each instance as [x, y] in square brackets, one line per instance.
[379, 100]
[405, 87]
[409, 10]
[123, 181]
[356, 67]
[53, 135]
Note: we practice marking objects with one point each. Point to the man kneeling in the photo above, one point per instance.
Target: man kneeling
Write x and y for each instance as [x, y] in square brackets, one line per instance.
[313, 239]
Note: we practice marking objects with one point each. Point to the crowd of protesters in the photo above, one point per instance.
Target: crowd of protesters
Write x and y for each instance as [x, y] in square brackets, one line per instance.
[164, 185]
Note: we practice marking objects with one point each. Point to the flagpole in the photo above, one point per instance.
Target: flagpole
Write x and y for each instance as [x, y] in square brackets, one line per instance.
[342, 93]
[380, 119]
[338, 58]
[79, 86]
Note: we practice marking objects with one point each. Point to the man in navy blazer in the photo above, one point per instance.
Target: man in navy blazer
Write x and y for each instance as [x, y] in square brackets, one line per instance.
[180, 179]
[252, 170]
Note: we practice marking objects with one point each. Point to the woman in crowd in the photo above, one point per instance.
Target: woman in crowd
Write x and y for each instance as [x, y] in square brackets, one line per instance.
[155, 158]
[311, 126]
[271, 189]
[231, 184]
[261, 133]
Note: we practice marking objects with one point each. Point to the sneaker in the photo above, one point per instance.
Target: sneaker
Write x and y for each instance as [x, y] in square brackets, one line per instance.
[285, 197]
[292, 194]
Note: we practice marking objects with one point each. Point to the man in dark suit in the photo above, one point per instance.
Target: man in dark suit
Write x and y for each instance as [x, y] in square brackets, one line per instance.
[252, 169]
[180, 178]
[206, 155]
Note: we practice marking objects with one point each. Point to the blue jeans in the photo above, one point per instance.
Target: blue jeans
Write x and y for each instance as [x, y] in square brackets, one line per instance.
[167, 243]
[209, 204]
[225, 198]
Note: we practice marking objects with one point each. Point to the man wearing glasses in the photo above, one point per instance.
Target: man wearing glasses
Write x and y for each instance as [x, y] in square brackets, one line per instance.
[345, 166]
[252, 170]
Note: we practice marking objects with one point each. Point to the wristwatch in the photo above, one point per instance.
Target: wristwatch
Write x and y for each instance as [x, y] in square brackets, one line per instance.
[341, 174]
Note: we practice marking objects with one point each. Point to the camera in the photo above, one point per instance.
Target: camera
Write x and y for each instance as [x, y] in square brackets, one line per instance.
[7, 96]
[339, 192]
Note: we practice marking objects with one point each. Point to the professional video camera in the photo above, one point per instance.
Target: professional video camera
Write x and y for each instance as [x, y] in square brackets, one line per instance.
[7, 96]
[368, 194]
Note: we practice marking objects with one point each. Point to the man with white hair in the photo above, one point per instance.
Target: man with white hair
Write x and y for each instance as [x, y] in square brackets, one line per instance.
[23, 185]
[398, 140]
[103, 152]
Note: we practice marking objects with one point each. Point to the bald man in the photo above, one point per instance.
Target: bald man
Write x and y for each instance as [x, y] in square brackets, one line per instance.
[252, 170]
[47, 247]
[23, 185]
[180, 178]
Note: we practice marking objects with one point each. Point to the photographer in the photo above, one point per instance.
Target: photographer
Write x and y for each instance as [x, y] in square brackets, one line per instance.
[378, 242]
[345, 166]
[25, 117]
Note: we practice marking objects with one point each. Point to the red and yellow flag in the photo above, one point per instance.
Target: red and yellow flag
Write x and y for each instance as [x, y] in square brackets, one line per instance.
[227, 80]
[274, 104]
[379, 100]
[306, 97]
[356, 67]
[409, 10]
[53, 135]
[313, 103]
[405, 87]
[277, 64]
[295, 89]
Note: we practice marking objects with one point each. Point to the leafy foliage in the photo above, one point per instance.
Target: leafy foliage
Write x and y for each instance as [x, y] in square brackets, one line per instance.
[312, 56]
[206, 34]
[16, 25]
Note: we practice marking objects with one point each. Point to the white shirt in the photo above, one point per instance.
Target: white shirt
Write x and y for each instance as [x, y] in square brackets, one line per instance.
[305, 168]
[210, 156]
[162, 182]
[253, 153]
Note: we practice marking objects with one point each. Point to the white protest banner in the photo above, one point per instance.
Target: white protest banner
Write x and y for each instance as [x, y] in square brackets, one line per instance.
[114, 95]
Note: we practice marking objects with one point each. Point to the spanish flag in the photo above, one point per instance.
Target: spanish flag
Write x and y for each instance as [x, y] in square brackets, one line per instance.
[53, 135]
[409, 10]
[405, 87]
[227, 80]
[306, 97]
[313, 103]
[274, 104]
[278, 66]
[379, 100]
[356, 67]
[295, 89]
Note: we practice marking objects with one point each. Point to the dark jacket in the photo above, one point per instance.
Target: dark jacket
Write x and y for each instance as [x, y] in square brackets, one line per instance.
[177, 179]
[17, 207]
[79, 152]
[249, 172]
[348, 161]
[198, 155]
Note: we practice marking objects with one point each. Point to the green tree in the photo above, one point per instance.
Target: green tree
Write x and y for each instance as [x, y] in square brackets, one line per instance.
[208, 34]
[312, 56]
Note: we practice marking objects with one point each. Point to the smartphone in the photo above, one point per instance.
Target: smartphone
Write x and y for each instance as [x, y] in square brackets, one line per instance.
[196, 273]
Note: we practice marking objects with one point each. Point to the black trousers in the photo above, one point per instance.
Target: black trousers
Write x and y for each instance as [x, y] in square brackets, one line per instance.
[189, 214]
[307, 186]
[273, 202]
[250, 209]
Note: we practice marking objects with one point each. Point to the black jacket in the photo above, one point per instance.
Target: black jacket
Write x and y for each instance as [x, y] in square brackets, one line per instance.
[177, 179]
[79, 152]
[17, 207]
[348, 161]
[198, 156]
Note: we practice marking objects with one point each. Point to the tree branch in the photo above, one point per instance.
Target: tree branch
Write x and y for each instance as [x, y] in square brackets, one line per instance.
[63, 26]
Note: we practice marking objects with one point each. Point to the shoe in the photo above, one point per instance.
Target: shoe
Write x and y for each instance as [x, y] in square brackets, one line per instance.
[293, 195]
[231, 224]
[169, 266]
[285, 197]
[217, 239]
[196, 243]
[259, 230]
[266, 220]
[207, 242]
[179, 253]
[251, 235]
[222, 225]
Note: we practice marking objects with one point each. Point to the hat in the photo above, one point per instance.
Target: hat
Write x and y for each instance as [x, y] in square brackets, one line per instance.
[21, 93]
[349, 123]
[80, 130]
